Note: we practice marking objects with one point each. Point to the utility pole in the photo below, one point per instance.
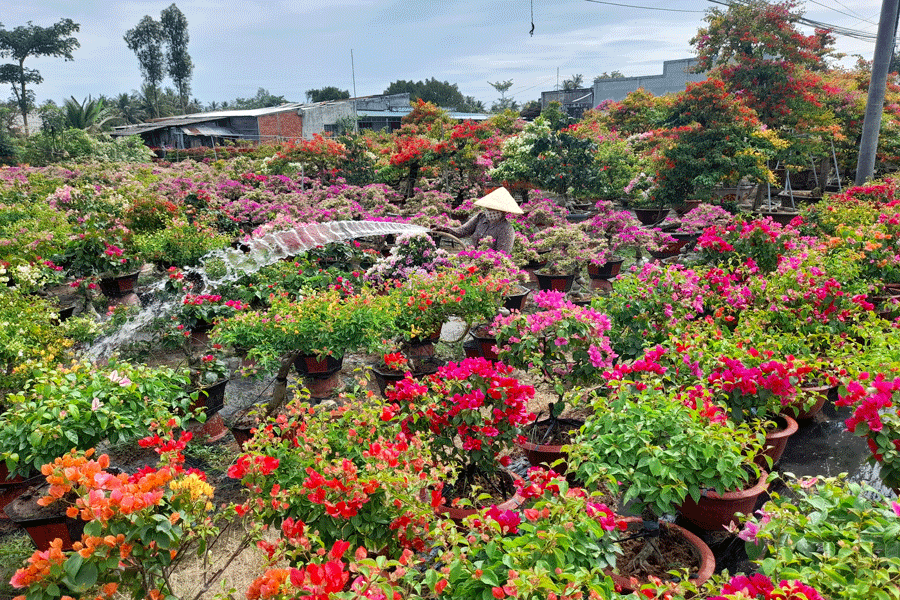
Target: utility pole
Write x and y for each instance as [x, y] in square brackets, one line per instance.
[884, 45]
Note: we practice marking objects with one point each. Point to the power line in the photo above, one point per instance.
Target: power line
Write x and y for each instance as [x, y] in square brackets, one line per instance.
[844, 31]
[646, 7]
[857, 16]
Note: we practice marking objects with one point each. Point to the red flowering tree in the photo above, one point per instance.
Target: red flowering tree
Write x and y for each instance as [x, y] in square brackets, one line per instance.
[757, 50]
[713, 138]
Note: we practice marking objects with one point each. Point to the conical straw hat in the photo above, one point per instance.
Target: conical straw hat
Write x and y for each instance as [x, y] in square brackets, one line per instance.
[500, 199]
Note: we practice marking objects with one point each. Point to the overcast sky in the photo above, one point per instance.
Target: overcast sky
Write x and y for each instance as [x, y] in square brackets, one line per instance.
[290, 47]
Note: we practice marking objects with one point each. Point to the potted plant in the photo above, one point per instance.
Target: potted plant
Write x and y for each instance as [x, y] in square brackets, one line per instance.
[565, 248]
[104, 251]
[472, 411]
[561, 539]
[565, 346]
[665, 449]
[349, 473]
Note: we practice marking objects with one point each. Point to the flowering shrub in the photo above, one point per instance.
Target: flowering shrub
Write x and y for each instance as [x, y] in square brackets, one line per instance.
[756, 386]
[559, 543]
[836, 536]
[139, 527]
[703, 217]
[201, 311]
[349, 474]
[82, 404]
[566, 248]
[411, 254]
[876, 418]
[563, 343]
[424, 301]
[761, 587]
[99, 249]
[323, 323]
[475, 401]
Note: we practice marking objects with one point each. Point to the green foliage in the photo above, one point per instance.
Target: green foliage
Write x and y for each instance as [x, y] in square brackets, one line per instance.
[658, 451]
[179, 244]
[564, 543]
[840, 537]
[321, 323]
[326, 93]
[28, 336]
[440, 93]
[146, 40]
[61, 408]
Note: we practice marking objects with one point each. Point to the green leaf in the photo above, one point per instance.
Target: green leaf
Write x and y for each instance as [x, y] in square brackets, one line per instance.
[489, 578]
[87, 576]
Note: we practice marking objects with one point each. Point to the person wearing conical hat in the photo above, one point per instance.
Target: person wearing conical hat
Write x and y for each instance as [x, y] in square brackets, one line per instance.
[491, 221]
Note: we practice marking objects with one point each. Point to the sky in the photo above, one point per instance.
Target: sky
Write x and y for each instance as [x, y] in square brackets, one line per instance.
[289, 47]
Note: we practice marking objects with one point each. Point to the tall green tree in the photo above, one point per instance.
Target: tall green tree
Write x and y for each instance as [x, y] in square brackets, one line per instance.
[32, 40]
[441, 93]
[146, 42]
[326, 93]
[178, 61]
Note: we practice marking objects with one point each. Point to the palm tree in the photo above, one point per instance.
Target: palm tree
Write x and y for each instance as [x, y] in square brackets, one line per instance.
[89, 114]
[129, 107]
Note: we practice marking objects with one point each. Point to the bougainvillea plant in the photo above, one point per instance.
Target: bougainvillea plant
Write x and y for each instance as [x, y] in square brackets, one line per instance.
[471, 411]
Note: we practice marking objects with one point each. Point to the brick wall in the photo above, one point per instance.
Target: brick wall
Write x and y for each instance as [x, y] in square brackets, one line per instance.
[286, 124]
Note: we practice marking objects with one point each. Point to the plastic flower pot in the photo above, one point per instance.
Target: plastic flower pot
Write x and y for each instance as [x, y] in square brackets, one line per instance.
[12, 488]
[517, 300]
[44, 523]
[555, 281]
[650, 216]
[310, 364]
[120, 285]
[486, 343]
[607, 270]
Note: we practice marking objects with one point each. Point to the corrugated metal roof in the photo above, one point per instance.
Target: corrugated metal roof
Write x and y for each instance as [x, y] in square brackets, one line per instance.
[402, 113]
[210, 130]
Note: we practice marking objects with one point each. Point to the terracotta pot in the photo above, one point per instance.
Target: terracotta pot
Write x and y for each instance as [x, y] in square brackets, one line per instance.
[714, 512]
[458, 514]
[555, 281]
[486, 343]
[210, 431]
[607, 270]
[707, 558]
[516, 301]
[776, 441]
[322, 386]
[44, 523]
[820, 392]
[547, 454]
[10, 489]
[650, 216]
[310, 364]
[119, 286]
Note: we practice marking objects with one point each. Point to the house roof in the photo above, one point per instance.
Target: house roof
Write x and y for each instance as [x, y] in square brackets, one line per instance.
[183, 120]
[210, 130]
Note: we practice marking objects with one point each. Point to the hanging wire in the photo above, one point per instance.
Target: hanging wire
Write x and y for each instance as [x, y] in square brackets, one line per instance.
[531, 33]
